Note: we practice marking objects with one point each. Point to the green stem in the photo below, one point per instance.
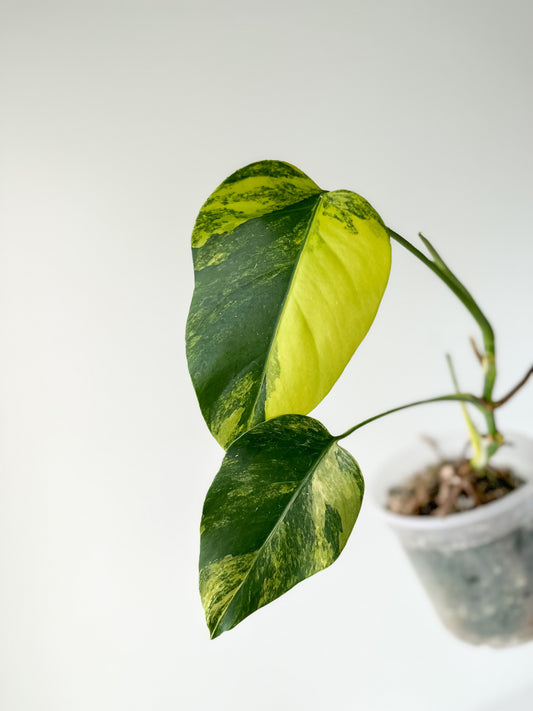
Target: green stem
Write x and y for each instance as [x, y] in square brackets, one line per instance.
[438, 267]
[459, 397]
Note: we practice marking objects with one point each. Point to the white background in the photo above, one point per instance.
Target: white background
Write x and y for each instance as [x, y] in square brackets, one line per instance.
[117, 121]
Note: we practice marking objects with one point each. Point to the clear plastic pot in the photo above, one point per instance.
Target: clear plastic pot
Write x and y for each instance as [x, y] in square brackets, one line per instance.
[477, 566]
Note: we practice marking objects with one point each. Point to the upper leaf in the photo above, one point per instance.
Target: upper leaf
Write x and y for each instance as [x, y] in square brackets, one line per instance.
[288, 279]
[280, 509]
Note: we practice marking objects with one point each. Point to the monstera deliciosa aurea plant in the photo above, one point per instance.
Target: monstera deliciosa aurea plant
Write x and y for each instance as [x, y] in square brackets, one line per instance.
[288, 280]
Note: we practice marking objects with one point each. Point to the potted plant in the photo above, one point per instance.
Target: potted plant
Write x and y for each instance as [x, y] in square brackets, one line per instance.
[477, 565]
[288, 280]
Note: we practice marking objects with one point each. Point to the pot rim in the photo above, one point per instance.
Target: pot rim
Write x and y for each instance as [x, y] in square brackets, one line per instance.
[479, 515]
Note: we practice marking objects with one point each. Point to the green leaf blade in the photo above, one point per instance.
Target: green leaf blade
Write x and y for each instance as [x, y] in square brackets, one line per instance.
[282, 298]
[280, 509]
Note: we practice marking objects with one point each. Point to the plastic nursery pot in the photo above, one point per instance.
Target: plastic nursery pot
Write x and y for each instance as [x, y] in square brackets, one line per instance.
[476, 566]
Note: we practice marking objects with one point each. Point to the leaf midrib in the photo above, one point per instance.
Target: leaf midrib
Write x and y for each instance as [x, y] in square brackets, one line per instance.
[283, 303]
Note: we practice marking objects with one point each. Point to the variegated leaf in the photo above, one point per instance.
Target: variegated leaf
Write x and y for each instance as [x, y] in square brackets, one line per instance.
[288, 279]
[280, 509]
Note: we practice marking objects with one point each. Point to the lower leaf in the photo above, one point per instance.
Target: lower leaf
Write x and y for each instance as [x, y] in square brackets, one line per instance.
[280, 509]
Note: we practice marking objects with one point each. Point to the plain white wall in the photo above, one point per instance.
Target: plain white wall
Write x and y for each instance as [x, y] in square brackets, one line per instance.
[117, 120]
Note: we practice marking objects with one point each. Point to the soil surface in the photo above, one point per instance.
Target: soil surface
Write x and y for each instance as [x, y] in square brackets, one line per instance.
[450, 487]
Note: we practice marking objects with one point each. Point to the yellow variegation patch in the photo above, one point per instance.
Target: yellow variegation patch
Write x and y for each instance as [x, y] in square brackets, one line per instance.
[333, 298]
[250, 193]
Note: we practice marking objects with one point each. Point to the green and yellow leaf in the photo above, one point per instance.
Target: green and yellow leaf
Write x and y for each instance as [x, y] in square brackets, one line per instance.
[280, 509]
[288, 279]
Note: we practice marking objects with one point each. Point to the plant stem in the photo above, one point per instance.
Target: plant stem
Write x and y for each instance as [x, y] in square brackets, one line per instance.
[485, 404]
[459, 397]
[476, 350]
[438, 266]
[516, 388]
[479, 459]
